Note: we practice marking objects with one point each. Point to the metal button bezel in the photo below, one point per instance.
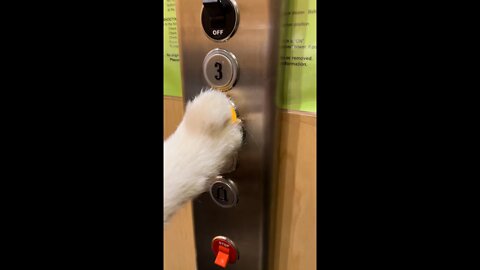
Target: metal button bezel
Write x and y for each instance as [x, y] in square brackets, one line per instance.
[234, 66]
[231, 185]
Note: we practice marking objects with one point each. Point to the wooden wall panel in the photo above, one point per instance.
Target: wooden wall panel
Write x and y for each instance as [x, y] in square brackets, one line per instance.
[178, 242]
[295, 228]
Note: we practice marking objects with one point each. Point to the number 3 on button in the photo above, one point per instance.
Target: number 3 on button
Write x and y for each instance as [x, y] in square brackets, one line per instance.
[219, 70]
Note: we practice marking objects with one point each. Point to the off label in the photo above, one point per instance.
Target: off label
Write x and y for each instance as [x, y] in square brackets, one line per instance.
[217, 32]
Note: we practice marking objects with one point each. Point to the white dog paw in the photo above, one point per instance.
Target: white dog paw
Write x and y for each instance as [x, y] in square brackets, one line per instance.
[211, 112]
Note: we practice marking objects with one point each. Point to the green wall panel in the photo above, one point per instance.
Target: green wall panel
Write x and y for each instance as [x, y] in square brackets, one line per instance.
[299, 56]
[172, 85]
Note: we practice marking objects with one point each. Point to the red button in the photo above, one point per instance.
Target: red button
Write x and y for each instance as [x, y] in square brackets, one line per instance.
[224, 250]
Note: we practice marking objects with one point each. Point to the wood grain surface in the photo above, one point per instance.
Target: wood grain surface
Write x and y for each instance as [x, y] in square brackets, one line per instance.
[178, 242]
[295, 226]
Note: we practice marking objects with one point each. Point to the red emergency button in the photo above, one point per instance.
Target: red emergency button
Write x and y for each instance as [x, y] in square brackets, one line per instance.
[224, 250]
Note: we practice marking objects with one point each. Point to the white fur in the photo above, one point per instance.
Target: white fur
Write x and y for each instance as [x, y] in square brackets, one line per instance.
[199, 149]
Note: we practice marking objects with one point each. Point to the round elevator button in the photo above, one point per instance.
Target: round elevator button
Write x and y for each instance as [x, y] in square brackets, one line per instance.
[224, 193]
[220, 69]
[219, 19]
[225, 251]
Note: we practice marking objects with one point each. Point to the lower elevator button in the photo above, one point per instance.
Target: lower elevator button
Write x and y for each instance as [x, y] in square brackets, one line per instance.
[220, 69]
[224, 193]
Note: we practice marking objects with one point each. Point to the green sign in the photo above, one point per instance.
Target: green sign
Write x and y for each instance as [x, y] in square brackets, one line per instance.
[299, 56]
[172, 85]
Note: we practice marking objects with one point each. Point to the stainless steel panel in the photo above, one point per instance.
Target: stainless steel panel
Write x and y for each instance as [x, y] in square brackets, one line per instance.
[255, 45]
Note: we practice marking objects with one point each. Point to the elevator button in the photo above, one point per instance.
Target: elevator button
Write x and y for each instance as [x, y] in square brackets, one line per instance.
[224, 192]
[219, 19]
[224, 250]
[220, 69]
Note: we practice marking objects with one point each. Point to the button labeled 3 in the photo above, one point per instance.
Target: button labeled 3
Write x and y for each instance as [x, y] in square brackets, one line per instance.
[220, 69]
[224, 193]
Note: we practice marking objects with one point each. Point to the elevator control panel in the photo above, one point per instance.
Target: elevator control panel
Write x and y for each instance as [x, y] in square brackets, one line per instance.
[220, 69]
[220, 19]
[240, 59]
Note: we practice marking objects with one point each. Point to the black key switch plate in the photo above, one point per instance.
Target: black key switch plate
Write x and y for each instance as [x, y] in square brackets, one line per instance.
[219, 19]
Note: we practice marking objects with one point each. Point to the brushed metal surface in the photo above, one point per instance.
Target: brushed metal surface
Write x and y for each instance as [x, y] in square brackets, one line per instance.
[255, 45]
